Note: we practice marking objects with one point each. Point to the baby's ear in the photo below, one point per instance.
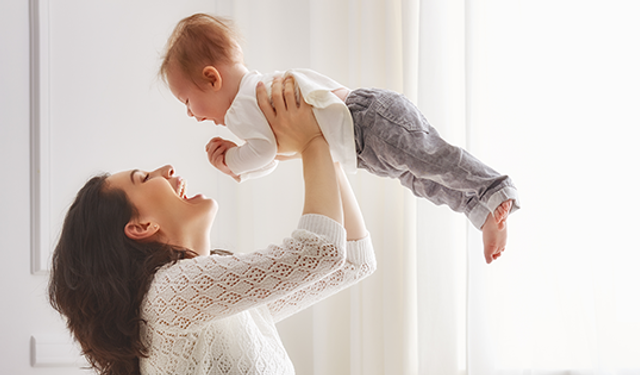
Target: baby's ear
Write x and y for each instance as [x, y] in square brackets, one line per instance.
[140, 231]
[213, 77]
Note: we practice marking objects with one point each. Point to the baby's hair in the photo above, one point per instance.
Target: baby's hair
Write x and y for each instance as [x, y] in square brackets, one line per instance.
[198, 41]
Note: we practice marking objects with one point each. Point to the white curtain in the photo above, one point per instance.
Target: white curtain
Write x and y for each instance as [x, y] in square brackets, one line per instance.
[370, 328]
[409, 317]
[553, 99]
[544, 91]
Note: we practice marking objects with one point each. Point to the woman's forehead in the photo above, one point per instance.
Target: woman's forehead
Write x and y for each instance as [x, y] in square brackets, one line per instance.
[123, 178]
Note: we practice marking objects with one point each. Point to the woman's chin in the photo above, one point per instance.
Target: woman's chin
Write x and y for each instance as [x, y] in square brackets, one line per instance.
[213, 208]
[196, 198]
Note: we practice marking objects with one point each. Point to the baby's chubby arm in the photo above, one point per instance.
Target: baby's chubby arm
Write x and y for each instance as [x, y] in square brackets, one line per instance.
[222, 153]
[255, 157]
[217, 150]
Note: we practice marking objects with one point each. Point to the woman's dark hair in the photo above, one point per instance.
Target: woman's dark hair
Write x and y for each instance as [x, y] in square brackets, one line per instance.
[99, 277]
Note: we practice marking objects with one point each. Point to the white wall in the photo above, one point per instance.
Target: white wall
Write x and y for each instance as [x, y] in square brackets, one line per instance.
[23, 307]
[109, 113]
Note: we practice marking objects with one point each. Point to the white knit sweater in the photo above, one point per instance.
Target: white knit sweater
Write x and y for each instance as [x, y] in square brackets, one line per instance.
[217, 314]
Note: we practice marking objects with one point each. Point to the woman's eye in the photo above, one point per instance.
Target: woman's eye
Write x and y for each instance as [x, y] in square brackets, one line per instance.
[146, 177]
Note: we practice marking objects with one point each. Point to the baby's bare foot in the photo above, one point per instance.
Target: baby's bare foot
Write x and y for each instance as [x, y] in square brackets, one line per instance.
[502, 213]
[494, 239]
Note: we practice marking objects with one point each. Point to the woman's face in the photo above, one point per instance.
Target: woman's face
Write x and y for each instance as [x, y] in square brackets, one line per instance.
[161, 201]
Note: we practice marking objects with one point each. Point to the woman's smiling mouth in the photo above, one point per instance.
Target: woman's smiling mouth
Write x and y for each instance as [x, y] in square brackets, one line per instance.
[181, 189]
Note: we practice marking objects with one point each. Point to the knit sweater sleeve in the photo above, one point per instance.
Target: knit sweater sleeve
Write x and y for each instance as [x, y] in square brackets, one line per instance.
[194, 291]
[360, 263]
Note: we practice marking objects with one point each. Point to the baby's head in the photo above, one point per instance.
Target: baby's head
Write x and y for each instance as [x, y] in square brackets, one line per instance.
[198, 41]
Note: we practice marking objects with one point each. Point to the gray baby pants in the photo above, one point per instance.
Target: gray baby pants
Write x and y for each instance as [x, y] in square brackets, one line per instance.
[393, 139]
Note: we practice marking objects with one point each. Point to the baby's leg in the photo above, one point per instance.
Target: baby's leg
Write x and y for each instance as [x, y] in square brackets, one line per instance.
[393, 139]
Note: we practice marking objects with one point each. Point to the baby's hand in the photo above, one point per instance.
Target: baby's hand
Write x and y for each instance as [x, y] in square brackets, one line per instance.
[216, 151]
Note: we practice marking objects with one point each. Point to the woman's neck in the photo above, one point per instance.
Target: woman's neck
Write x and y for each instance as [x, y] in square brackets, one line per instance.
[199, 242]
[201, 246]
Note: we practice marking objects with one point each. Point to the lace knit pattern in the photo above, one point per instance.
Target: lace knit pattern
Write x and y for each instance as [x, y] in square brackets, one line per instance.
[217, 314]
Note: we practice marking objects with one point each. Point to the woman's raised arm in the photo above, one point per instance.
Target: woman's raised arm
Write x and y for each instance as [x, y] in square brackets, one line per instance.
[354, 223]
[297, 131]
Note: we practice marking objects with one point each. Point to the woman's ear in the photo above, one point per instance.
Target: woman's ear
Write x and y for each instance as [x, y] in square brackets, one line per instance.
[140, 231]
[213, 77]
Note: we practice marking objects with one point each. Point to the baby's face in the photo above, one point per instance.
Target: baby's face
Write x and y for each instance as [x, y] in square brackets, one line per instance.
[204, 102]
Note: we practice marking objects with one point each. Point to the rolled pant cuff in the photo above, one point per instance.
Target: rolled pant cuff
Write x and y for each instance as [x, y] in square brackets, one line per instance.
[479, 213]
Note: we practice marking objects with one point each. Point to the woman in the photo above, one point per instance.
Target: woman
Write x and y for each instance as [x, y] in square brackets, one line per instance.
[133, 275]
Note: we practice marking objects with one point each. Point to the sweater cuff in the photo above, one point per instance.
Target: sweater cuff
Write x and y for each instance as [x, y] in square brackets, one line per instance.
[323, 226]
[361, 251]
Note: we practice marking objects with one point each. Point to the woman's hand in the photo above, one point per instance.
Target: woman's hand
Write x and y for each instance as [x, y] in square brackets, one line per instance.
[297, 132]
[293, 123]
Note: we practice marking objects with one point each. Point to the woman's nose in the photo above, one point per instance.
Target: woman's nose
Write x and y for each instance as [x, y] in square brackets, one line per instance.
[166, 171]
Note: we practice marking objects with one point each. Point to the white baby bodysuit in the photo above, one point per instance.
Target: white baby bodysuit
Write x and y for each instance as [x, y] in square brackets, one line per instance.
[255, 158]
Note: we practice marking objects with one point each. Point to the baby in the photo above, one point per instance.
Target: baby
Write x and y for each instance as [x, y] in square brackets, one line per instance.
[373, 129]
